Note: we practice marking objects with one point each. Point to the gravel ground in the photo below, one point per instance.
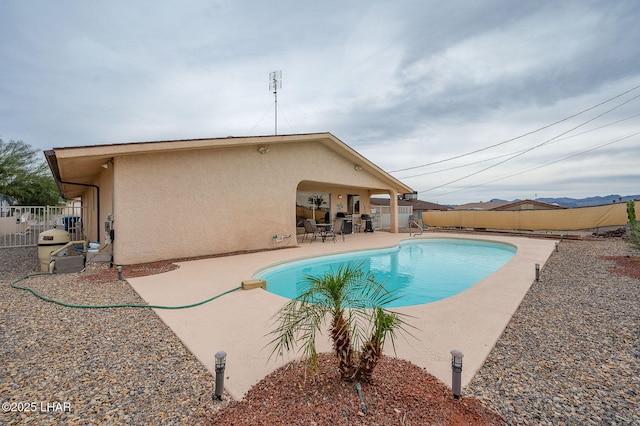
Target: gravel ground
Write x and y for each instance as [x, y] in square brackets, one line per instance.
[571, 352]
[80, 366]
[570, 355]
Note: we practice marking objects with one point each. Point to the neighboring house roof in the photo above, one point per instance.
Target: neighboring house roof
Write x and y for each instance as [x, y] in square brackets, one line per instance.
[489, 205]
[529, 205]
[416, 204]
[509, 205]
[74, 166]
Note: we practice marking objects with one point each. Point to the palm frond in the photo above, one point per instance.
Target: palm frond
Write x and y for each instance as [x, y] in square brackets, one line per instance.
[354, 301]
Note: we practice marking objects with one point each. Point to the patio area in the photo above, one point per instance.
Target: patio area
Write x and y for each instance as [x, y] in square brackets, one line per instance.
[239, 322]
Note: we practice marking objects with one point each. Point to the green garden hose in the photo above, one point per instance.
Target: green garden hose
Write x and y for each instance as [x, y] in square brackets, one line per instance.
[123, 305]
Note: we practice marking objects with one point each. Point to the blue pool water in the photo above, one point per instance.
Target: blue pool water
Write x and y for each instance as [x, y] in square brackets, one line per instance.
[422, 271]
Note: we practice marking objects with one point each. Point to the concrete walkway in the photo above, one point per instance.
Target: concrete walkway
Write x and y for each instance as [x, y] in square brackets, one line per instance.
[239, 322]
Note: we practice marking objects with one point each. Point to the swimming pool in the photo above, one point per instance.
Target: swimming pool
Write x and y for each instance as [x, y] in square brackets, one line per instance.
[421, 271]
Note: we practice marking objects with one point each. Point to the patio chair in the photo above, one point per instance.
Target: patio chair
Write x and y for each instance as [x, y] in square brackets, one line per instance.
[357, 223]
[310, 228]
[338, 228]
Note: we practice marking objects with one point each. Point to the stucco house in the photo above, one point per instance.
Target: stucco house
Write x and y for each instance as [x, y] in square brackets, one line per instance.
[150, 201]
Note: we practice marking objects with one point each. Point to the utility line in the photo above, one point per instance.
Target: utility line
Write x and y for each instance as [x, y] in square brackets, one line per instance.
[532, 148]
[517, 137]
[515, 152]
[593, 148]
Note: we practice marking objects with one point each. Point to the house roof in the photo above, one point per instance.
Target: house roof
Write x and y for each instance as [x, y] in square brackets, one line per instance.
[507, 205]
[75, 167]
[489, 205]
[417, 204]
[537, 205]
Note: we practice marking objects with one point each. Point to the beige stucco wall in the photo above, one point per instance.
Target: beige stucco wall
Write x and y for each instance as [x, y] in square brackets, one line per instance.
[9, 225]
[534, 220]
[198, 202]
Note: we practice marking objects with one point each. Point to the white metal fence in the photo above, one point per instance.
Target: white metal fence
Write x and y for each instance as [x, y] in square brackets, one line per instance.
[20, 226]
[381, 216]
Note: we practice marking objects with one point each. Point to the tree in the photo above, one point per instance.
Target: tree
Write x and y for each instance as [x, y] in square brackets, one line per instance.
[23, 178]
[354, 302]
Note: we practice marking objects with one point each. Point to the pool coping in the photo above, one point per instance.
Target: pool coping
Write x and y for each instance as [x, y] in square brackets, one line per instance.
[239, 322]
[338, 259]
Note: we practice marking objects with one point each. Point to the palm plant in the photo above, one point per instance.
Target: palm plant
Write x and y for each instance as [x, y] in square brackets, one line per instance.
[353, 302]
[385, 324]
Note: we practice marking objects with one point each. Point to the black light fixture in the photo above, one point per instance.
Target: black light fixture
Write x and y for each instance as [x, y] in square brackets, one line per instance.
[221, 362]
[456, 373]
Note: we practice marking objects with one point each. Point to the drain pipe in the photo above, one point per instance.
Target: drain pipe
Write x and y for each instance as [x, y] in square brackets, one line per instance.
[363, 407]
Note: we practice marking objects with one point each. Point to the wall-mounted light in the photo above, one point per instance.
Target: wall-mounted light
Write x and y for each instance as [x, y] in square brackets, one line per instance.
[263, 150]
[340, 197]
[105, 165]
[357, 167]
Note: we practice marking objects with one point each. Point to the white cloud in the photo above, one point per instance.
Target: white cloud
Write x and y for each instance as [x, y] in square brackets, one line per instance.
[405, 83]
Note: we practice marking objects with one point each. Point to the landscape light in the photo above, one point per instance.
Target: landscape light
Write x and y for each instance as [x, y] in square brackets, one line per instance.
[537, 272]
[456, 373]
[221, 362]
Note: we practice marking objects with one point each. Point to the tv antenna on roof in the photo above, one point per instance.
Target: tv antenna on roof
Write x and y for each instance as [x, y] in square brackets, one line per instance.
[275, 83]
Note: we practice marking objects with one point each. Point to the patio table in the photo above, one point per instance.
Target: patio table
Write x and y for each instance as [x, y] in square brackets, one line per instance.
[323, 229]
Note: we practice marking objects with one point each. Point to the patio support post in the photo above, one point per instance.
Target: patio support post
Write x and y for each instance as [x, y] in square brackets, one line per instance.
[393, 204]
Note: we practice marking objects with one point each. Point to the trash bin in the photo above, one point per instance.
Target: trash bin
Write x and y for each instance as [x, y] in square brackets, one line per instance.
[49, 241]
[70, 223]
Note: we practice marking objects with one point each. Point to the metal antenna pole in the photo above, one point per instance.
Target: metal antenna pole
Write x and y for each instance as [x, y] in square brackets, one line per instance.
[275, 83]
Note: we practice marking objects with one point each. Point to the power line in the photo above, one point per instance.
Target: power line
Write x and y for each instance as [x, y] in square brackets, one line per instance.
[517, 137]
[593, 148]
[516, 152]
[534, 147]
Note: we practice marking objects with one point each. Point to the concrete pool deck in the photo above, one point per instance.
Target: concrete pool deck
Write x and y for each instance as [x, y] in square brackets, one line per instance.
[239, 322]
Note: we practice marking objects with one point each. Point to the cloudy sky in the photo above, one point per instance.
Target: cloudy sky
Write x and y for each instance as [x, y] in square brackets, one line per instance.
[462, 100]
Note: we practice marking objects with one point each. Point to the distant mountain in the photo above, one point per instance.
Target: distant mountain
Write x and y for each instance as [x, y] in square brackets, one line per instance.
[590, 201]
[585, 202]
